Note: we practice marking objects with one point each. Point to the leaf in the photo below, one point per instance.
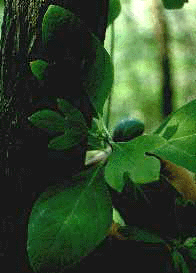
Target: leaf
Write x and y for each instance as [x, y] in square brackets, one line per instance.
[70, 224]
[38, 67]
[180, 131]
[62, 32]
[65, 106]
[117, 217]
[58, 26]
[170, 131]
[75, 124]
[179, 262]
[100, 75]
[141, 234]
[190, 243]
[180, 123]
[48, 119]
[129, 157]
[71, 138]
[114, 10]
[193, 253]
[73, 117]
[181, 151]
[96, 135]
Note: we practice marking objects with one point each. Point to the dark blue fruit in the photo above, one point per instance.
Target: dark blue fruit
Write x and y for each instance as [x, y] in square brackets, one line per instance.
[128, 129]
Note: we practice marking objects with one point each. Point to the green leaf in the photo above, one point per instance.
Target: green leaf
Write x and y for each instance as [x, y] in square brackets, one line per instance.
[71, 138]
[170, 131]
[65, 106]
[100, 76]
[96, 135]
[62, 32]
[68, 225]
[142, 234]
[73, 117]
[181, 151]
[114, 10]
[38, 67]
[129, 157]
[190, 243]
[74, 127]
[117, 217]
[179, 262]
[180, 123]
[95, 142]
[180, 131]
[54, 22]
[193, 253]
[48, 119]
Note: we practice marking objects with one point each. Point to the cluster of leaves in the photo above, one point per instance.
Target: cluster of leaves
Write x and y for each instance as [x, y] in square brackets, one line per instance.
[68, 223]
[99, 77]
[174, 140]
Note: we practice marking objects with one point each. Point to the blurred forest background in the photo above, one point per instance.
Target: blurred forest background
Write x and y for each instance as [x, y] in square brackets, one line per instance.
[135, 43]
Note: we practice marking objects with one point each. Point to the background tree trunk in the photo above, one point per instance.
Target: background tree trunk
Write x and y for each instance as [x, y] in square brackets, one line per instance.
[162, 34]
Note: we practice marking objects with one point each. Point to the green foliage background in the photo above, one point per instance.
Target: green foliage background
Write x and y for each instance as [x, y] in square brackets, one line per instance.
[137, 79]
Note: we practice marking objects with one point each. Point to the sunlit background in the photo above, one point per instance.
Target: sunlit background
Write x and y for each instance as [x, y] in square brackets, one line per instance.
[138, 76]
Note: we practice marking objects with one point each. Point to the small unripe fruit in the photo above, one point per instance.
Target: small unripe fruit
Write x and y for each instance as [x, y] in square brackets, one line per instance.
[128, 129]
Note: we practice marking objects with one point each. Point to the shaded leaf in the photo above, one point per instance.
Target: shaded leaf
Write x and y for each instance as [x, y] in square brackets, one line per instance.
[96, 135]
[61, 29]
[66, 141]
[73, 117]
[170, 131]
[48, 119]
[179, 262]
[141, 234]
[70, 224]
[114, 10]
[100, 75]
[38, 67]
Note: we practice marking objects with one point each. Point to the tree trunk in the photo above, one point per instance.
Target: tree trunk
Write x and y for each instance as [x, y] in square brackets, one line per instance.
[162, 34]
